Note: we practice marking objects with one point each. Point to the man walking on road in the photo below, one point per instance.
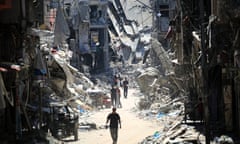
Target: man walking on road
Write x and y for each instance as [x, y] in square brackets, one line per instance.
[125, 88]
[118, 98]
[114, 119]
[114, 96]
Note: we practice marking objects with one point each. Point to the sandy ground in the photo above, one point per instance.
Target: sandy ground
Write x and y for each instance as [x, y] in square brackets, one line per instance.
[133, 130]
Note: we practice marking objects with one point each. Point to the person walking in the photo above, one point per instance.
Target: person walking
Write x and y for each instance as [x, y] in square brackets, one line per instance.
[118, 98]
[116, 80]
[113, 96]
[115, 120]
[125, 87]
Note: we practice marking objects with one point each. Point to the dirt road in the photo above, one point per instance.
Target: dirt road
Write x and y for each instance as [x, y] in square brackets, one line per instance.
[133, 130]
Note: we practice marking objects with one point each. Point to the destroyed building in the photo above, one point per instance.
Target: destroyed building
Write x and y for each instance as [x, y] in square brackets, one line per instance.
[89, 23]
[35, 69]
[43, 49]
[204, 38]
[197, 40]
[17, 53]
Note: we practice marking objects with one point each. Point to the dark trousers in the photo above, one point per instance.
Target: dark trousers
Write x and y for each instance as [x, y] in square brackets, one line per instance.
[113, 100]
[114, 134]
[125, 91]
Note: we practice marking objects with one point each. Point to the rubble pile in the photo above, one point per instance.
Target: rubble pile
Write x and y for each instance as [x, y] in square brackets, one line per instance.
[179, 133]
[164, 102]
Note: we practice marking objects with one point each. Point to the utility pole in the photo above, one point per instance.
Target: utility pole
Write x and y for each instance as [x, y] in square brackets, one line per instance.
[204, 73]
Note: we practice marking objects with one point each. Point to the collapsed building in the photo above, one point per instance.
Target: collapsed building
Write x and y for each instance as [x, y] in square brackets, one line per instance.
[89, 24]
[36, 76]
[43, 51]
[214, 53]
[202, 46]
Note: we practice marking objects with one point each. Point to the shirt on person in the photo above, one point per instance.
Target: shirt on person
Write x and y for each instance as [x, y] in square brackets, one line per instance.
[114, 119]
[113, 92]
[125, 83]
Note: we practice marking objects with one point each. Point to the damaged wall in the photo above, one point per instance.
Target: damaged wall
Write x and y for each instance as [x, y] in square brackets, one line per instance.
[221, 42]
[220, 26]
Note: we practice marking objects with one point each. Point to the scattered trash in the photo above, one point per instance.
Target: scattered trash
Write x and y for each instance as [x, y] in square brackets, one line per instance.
[156, 135]
[160, 115]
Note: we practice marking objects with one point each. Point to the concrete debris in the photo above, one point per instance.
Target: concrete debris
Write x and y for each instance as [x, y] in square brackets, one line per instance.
[100, 99]
[223, 139]
[161, 57]
[164, 102]
[87, 126]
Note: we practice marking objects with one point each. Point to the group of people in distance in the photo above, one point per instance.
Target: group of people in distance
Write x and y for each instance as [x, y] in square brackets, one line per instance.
[116, 92]
[114, 117]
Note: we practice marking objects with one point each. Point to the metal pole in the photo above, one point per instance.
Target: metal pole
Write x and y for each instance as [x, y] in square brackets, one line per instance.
[204, 73]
